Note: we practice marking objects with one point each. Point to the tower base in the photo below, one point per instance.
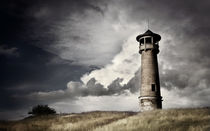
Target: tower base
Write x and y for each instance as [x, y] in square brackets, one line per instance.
[148, 103]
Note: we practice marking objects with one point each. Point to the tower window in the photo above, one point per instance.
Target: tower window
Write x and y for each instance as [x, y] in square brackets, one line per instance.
[141, 41]
[153, 87]
[148, 40]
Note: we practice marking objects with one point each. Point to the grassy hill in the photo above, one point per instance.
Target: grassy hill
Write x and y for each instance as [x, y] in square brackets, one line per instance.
[163, 120]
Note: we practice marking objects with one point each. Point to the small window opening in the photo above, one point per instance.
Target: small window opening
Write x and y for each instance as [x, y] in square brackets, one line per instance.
[153, 87]
[141, 41]
[148, 40]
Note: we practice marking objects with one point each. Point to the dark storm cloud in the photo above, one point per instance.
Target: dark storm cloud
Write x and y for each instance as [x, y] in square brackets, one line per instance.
[4, 50]
[34, 70]
[133, 85]
[36, 19]
[26, 28]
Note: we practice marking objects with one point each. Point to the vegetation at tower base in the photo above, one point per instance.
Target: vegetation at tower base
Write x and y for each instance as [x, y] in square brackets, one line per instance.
[163, 120]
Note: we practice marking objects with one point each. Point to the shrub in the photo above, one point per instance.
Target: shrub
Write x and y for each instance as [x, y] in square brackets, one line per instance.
[42, 110]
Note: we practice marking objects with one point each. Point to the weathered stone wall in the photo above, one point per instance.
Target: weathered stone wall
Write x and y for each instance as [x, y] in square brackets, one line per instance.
[149, 97]
[148, 103]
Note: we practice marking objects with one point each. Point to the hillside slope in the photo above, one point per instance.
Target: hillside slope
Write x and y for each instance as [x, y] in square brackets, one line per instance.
[72, 122]
[166, 120]
[163, 120]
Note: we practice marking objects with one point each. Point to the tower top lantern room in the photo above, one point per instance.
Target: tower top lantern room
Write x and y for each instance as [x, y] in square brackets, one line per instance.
[148, 40]
[150, 96]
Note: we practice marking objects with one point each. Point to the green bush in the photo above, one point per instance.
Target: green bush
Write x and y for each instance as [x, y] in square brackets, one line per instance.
[42, 110]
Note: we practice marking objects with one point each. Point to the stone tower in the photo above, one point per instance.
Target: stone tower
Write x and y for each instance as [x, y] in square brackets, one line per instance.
[150, 97]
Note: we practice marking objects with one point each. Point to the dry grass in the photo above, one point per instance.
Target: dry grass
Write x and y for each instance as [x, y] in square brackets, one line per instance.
[72, 122]
[158, 120]
[163, 120]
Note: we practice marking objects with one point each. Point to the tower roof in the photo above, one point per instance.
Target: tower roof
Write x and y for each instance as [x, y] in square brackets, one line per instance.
[149, 33]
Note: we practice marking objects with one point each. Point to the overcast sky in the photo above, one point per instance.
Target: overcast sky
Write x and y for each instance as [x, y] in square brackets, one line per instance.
[82, 55]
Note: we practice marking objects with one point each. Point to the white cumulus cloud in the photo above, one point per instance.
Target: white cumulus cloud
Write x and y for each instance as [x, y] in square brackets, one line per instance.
[124, 65]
